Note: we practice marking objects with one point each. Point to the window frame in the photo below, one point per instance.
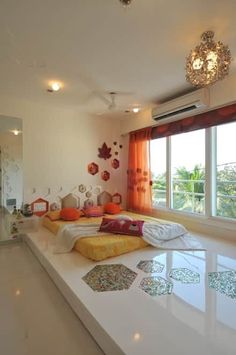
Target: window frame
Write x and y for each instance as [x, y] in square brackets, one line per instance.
[210, 216]
[167, 177]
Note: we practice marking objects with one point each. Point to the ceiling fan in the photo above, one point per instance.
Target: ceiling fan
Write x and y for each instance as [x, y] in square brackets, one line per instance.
[112, 105]
[110, 99]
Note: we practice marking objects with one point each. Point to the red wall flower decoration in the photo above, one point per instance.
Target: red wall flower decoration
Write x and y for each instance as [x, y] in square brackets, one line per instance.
[115, 163]
[105, 175]
[93, 168]
[104, 152]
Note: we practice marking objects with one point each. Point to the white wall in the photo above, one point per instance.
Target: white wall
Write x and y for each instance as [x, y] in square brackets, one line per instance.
[58, 144]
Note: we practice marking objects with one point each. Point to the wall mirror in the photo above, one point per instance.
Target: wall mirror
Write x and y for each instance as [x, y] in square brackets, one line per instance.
[11, 171]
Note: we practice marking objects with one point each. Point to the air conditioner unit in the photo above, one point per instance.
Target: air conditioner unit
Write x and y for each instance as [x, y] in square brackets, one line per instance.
[182, 106]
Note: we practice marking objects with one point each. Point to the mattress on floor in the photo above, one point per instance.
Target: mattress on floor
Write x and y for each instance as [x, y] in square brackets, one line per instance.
[100, 248]
[54, 226]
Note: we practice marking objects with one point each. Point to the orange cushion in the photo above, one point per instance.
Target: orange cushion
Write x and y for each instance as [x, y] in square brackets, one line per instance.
[112, 208]
[70, 214]
[54, 215]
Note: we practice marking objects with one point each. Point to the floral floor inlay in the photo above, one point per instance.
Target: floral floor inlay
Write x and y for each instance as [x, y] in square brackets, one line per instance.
[224, 282]
[149, 266]
[156, 286]
[185, 275]
[112, 277]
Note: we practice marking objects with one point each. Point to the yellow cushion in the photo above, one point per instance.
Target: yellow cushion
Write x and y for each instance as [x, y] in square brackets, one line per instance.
[53, 215]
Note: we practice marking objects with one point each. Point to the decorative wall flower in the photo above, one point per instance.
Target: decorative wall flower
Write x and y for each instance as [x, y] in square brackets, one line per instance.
[115, 163]
[104, 152]
[88, 194]
[105, 175]
[93, 168]
[82, 187]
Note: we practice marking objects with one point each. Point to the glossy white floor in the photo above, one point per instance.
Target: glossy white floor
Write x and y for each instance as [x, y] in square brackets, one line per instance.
[194, 319]
[35, 319]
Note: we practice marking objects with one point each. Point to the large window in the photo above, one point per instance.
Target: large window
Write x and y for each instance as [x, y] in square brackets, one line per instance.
[226, 170]
[188, 171]
[158, 168]
[180, 177]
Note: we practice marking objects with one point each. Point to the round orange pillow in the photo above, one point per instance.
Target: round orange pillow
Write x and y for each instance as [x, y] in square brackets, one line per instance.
[112, 208]
[70, 214]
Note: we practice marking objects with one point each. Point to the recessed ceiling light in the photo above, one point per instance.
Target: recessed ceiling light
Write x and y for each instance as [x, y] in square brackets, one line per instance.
[136, 109]
[137, 336]
[54, 86]
[18, 292]
[16, 132]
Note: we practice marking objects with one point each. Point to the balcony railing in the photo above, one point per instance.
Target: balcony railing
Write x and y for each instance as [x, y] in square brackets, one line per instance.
[193, 201]
[182, 199]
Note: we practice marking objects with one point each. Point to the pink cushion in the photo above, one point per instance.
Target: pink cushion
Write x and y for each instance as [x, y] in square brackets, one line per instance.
[121, 226]
[95, 211]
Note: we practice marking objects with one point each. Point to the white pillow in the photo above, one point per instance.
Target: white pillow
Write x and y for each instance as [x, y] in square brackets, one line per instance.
[124, 217]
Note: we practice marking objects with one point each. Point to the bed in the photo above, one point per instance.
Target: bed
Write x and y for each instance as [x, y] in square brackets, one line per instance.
[109, 245]
[100, 248]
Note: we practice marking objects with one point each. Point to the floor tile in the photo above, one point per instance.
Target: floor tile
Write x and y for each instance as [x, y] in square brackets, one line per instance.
[35, 318]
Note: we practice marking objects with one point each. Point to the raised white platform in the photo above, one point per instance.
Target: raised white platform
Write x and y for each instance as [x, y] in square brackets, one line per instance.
[194, 319]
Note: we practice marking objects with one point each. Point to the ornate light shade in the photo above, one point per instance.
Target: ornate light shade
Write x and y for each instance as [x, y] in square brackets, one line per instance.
[208, 62]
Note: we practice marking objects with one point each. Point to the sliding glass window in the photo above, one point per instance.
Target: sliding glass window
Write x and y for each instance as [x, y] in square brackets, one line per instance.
[179, 174]
[158, 168]
[226, 170]
[188, 171]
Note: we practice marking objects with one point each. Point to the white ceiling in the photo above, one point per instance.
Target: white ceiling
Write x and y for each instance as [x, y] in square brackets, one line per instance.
[97, 46]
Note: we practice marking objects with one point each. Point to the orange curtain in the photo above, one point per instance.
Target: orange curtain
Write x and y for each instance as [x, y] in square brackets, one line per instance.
[139, 196]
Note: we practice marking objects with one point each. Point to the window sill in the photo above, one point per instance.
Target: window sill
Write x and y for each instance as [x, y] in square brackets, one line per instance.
[214, 226]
